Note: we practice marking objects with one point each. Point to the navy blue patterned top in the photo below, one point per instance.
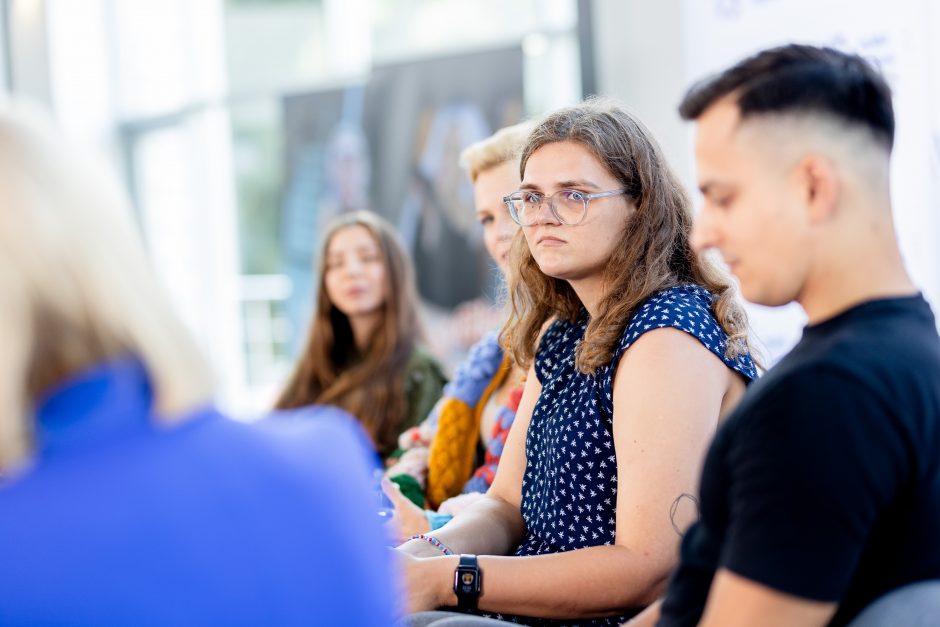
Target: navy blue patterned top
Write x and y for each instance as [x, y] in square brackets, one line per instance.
[569, 490]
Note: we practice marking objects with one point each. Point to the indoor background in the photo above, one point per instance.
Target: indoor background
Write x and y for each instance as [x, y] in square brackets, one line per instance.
[241, 126]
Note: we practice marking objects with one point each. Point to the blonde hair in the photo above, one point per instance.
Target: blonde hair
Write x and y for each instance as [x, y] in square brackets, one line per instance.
[75, 283]
[504, 145]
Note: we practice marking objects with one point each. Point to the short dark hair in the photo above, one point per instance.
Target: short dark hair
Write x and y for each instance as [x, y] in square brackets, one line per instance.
[801, 78]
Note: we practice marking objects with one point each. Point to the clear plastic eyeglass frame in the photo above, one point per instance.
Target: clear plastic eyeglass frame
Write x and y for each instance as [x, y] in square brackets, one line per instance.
[525, 207]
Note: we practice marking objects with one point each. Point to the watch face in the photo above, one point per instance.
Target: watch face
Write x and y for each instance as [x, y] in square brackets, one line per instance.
[467, 581]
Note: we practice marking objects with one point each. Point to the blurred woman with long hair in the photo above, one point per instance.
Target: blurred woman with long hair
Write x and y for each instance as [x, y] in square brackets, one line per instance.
[363, 351]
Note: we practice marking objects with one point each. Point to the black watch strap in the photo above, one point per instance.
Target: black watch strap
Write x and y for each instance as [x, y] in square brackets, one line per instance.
[468, 582]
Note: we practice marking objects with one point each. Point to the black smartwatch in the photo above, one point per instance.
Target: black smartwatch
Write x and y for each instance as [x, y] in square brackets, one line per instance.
[468, 582]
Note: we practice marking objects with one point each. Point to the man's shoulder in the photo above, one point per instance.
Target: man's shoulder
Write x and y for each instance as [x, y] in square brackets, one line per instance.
[822, 397]
[798, 394]
[878, 338]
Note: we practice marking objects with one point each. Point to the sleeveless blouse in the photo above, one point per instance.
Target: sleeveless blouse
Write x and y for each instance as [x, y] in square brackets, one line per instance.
[569, 489]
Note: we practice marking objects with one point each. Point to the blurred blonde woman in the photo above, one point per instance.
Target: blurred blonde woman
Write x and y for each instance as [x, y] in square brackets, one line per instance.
[452, 457]
[126, 498]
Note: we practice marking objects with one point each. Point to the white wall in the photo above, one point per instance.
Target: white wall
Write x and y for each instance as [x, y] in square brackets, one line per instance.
[649, 53]
[28, 62]
[640, 57]
[109, 64]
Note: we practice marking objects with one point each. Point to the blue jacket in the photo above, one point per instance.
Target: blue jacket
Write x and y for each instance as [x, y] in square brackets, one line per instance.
[121, 521]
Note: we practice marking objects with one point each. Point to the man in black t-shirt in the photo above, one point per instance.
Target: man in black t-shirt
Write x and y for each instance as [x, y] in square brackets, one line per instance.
[821, 491]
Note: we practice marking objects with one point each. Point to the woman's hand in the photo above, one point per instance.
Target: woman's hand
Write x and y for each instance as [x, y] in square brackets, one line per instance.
[428, 581]
[408, 518]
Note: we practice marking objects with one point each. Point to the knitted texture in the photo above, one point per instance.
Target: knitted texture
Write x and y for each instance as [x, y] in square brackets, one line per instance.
[450, 462]
[483, 477]
[453, 449]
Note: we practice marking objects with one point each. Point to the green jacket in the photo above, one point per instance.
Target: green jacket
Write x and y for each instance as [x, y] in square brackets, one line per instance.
[424, 386]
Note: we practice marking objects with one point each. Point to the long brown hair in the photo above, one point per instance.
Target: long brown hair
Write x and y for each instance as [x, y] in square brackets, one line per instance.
[654, 253]
[368, 384]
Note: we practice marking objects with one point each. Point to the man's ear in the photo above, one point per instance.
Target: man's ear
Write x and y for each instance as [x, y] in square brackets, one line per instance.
[820, 187]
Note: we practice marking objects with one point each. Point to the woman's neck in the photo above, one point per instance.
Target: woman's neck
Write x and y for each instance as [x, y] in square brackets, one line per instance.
[590, 292]
[363, 326]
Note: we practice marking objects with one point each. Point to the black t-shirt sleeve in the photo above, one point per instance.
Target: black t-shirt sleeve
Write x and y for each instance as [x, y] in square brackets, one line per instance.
[807, 475]
[692, 580]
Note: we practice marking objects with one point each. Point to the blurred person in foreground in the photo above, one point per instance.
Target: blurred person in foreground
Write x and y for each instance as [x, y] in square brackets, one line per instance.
[125, 497]
[822, 490]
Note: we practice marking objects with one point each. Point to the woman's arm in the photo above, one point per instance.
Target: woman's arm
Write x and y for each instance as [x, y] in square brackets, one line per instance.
[493, 525]
[667, 394]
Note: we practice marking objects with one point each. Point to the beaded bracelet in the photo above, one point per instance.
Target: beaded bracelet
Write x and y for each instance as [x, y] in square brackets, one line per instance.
[437, 544]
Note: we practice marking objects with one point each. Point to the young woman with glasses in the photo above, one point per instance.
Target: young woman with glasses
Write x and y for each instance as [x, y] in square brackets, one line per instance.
[635, 348]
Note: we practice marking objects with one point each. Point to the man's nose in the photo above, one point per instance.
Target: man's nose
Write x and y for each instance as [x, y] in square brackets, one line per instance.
[703, 231]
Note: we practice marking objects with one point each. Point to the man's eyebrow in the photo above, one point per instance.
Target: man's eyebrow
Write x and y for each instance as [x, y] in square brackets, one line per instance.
[709, 186]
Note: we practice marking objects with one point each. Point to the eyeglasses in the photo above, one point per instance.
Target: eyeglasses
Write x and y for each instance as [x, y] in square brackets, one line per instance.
[569, 206]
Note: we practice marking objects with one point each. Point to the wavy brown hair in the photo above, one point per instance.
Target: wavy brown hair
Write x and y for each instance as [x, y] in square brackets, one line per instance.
[654, 254]
[368, 384]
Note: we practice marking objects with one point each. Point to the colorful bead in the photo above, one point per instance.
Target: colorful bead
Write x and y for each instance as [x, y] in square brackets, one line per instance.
[437, 544]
